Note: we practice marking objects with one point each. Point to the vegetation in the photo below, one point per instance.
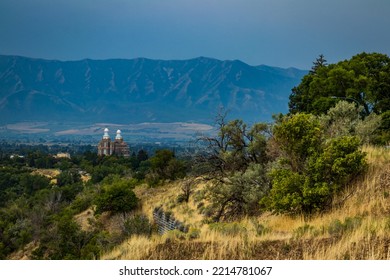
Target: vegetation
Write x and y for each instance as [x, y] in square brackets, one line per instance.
[116, 196]
[364, 80]
[39, 206]
[312, 169]
[357, 226]
[309, 185]
[234, 165]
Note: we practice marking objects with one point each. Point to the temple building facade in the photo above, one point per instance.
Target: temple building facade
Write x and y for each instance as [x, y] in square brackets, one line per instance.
[117, 147]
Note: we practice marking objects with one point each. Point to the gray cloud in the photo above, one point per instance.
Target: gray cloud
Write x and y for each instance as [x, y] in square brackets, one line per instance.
[282, 33]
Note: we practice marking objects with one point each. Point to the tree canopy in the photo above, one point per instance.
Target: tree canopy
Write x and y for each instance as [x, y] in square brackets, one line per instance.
[311, 168]
[364, 79]
[117, 196]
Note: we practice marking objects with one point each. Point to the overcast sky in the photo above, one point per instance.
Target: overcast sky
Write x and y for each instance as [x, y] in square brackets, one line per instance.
[274, 32]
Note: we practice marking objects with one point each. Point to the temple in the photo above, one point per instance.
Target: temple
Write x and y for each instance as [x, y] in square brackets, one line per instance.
[117, 147]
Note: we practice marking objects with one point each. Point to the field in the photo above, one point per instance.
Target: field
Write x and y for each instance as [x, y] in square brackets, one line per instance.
[88, 131]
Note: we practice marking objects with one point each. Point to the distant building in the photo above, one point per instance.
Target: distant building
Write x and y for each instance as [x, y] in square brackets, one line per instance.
[117, 147]
[62, 155]
[13, 156]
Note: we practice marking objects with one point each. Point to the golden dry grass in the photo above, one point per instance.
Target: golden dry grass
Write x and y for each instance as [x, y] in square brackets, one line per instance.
[49, 173]
[85, 218]
[358, 226]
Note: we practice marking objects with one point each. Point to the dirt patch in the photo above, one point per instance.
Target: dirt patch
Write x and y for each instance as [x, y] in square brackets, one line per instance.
[25, 253]
[86, 219]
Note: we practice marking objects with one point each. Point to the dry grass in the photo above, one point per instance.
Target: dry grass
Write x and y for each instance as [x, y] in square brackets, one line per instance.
[85, 218]
[49, 173]
[358, 226]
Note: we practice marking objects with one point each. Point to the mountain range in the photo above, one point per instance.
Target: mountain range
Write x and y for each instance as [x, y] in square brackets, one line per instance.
[140, 90]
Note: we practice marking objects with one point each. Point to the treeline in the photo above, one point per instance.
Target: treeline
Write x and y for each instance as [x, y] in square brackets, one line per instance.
[8, 148]
[363, 80]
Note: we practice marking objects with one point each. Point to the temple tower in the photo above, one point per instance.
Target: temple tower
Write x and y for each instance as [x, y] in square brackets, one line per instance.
[105, 145]
[118, 147]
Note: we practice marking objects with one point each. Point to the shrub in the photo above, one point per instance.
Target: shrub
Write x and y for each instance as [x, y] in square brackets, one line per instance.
[260, 228]
[82, 202]
[229, 229]
[312, 169]
[152, 179]
[337, 228]
[175, 234]
[239, 195]
[137, 225]
[304, 230]
[193, 233]
[298, 136]
[164, 166]
[117, 197]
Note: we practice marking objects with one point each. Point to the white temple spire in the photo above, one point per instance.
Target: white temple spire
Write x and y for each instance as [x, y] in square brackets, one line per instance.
[106, 136]
[118, 135]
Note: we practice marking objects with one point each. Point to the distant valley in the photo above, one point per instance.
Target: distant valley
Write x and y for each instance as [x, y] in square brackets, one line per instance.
[129, 92]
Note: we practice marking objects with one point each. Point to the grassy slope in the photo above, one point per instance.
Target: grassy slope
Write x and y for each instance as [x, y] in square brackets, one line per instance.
[358, 226]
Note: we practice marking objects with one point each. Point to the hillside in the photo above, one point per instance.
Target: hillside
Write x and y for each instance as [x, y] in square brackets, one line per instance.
[140, 90]
[357, 227]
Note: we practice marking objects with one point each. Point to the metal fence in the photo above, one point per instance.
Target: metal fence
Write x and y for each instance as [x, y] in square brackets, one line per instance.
[166, 221]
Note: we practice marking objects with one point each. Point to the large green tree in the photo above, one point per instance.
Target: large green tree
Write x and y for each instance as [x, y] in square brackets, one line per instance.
[364, 79]
[311, 168]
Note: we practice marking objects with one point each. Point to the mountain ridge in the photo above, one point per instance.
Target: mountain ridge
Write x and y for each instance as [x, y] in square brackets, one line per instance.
[140, 90]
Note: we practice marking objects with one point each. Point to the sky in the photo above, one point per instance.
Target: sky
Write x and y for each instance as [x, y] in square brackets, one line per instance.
[284, 33]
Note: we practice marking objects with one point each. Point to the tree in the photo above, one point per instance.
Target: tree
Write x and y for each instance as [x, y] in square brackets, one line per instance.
[233, 164]
[160, 160]
[383, 133]
[320, 62]
[32, 183]
[68, 177]
[311, 169]
[164, 165]
[239, 194]
[142, 155]
[117, 197]
[345, 119]
[187, 188]
[234, 147]
[364, 78]
[298, 137]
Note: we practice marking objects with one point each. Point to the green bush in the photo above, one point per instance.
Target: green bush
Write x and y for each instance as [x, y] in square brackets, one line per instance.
[137, 225]
[175, 234]
[304, 230]
[239, 195]
[164, 166]
[193, 233]
[260, 228]
[299, 137]
[117, 197]
[338, 228]
[312, 169]
[82, 202]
